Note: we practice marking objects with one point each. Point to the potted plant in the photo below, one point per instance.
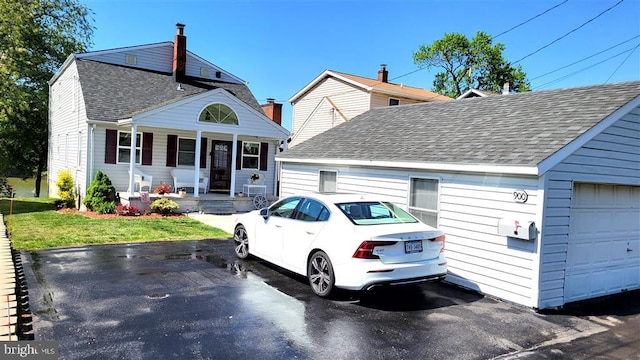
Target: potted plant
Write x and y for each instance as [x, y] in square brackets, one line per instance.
[162, 189]
[182, 192]
[254, 178]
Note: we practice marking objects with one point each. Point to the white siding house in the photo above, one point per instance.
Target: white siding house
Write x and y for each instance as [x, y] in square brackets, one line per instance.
[565, 161]
[172, 113]
[335, 97]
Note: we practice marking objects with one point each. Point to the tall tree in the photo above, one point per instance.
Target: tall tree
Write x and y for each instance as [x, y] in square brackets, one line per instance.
[475, 64]
[36, 36]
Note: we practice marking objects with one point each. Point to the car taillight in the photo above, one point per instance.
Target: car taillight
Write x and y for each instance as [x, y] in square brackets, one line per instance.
[439, 238]
[365, 250]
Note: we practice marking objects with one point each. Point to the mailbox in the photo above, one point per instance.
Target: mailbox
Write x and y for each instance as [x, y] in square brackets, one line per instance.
[519, 229]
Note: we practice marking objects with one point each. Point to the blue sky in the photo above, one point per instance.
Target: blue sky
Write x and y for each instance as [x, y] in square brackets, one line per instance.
[280, 46]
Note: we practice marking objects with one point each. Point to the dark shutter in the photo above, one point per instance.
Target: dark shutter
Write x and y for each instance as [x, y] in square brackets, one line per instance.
[111, 147]
[203, 153]
[172, 150]
[239, 156]
[264, 156]
[147, 148]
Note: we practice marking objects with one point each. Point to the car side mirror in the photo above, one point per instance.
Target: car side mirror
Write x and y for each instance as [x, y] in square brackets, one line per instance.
[264, 213]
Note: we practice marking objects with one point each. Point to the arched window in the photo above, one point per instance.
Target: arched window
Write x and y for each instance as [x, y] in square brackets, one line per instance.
[219, 113]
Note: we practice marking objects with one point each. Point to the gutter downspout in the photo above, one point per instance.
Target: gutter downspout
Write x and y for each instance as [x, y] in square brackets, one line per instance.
[91, 154]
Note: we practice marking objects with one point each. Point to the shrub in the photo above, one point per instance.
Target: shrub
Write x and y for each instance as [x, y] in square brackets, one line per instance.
[164, 206]
[65, 188]
[162, 189]
[127, 210]
[101, 195]
[106, 208]
[5, 189]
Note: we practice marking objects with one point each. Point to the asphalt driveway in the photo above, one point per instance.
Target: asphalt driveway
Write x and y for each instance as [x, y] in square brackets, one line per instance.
[194, 300]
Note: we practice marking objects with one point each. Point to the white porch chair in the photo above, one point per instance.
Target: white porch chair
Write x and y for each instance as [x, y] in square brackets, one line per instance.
[140, 180]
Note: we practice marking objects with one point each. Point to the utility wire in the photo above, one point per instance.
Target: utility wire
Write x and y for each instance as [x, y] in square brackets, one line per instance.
[567, 34]
[586, 68]
[583, 59]
[622, 63]
[526, 21]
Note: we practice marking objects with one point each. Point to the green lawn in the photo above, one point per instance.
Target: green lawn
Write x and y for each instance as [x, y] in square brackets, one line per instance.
[34, 224]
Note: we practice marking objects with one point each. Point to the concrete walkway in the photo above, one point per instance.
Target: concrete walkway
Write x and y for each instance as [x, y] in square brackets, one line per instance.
[8, 304]
[222, 222]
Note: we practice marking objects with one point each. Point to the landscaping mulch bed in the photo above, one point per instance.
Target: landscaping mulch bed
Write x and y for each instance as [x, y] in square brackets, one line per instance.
[96, 215]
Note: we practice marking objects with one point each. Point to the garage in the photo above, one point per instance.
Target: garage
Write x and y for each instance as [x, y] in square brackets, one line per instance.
[603, 253]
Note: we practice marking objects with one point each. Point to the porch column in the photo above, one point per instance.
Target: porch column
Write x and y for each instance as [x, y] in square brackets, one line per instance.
[234, 155]
[196, 166]
[132, 159]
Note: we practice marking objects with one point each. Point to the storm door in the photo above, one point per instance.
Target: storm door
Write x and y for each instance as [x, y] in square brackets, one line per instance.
[220, 166]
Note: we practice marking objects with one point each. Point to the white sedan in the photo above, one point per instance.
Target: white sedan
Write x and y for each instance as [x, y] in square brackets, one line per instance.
[346, 241]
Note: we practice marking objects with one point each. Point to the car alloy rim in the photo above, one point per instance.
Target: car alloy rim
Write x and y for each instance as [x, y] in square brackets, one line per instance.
[320, 277]
[241, 241]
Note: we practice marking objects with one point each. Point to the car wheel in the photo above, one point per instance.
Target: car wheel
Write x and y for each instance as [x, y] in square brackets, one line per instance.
[320, 273]
[241, 242]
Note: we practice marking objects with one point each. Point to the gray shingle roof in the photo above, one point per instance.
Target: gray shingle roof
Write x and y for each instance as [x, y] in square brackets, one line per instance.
[113, 92]
[510, 130]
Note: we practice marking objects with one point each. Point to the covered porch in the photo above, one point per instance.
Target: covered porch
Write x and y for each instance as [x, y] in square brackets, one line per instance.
[210, 145]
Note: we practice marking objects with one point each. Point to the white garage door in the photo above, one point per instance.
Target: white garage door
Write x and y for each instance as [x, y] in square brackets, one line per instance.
[603, 256]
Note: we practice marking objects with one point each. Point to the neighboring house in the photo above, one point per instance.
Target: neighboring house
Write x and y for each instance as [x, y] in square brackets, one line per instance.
[472, 93]
[564, 162]
[334, 97]
[169, 107]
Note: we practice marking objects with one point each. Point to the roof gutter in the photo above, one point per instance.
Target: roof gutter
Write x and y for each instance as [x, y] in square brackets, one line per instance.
[407, 95]
[491, 169]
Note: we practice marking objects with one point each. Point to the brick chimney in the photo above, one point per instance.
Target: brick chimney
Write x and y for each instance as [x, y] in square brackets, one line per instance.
[383, 74]
[179, 54]
[273, 111]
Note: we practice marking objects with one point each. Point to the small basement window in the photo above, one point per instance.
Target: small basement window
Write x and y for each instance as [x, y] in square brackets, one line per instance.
[394, 102]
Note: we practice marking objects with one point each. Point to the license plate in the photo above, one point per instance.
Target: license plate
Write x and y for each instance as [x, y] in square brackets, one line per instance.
[413, 246]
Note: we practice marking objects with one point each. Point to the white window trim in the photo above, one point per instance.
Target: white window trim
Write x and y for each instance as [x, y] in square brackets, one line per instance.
[250, 155]
[216, 122]
[130, 59]
[410, 207]
[178, 151]
[138, 147]
[320, 171]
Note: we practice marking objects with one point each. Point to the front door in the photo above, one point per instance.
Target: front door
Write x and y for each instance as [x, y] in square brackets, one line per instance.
[220, 166]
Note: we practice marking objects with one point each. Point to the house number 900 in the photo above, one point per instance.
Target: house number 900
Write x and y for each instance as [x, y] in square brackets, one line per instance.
[520, 196]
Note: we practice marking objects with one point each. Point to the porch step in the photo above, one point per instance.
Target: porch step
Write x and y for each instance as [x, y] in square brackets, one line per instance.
[217, 207]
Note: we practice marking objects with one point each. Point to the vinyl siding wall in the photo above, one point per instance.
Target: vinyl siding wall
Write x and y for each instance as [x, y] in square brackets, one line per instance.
[158, 57]
[155, 57]
[312, 114]
[185, 114]
[470, 207]
[612, 157]
[68, 131]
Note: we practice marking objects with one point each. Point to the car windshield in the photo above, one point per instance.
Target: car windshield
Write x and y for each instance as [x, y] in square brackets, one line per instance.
[375, 213]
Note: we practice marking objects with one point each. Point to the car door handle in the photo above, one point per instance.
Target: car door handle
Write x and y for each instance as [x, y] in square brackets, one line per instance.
[278, 226]
[310, 232]
[629, 250]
